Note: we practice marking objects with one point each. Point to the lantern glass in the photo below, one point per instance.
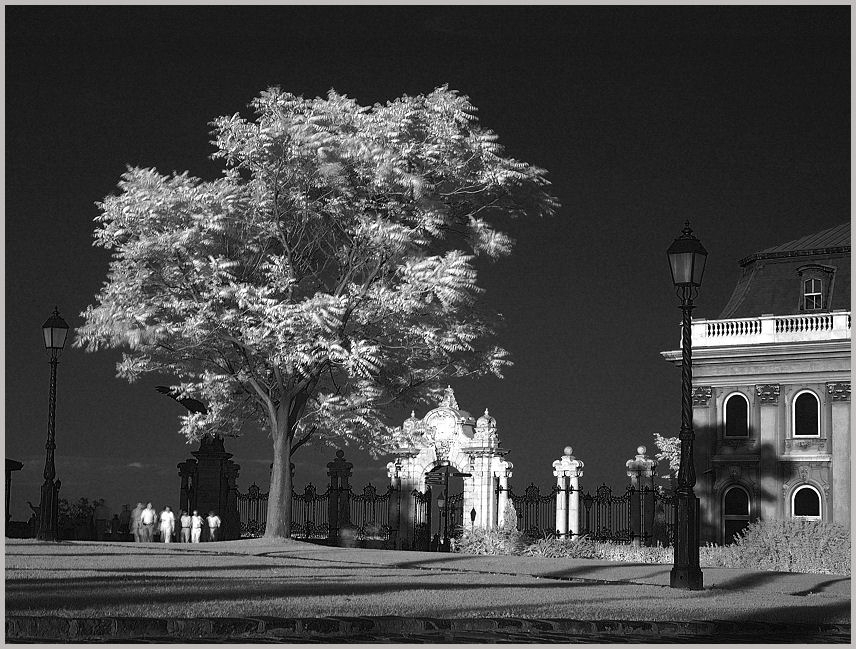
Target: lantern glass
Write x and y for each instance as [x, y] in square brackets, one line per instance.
[687, 259]
[55, 331]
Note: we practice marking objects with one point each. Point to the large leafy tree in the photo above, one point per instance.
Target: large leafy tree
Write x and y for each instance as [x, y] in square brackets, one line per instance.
[327, 274]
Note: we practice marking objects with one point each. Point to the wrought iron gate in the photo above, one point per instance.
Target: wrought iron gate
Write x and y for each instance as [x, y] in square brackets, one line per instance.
[421, 519]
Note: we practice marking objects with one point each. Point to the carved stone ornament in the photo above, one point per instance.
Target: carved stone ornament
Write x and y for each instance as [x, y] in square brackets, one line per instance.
[442, 449]
[701, 395]
[803, 471]
[818, 443]
[734, 472]
[838, 391]
[739, 442]
[768, 393]
[448, 399]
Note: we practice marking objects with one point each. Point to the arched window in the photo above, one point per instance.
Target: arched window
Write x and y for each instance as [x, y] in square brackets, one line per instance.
[806, 415]
[736, 416]
[735, 513]
[805, 503]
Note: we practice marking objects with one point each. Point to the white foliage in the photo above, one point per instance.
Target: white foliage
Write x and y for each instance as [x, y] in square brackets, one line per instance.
[320, 270]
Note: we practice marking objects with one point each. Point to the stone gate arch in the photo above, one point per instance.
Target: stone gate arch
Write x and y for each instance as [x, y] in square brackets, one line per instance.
[450, 436]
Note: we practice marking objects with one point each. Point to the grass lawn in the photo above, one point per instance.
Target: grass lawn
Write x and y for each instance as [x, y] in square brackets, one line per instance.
[293, 579]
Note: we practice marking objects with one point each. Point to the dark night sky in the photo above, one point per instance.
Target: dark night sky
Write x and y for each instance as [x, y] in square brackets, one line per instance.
[736, 118]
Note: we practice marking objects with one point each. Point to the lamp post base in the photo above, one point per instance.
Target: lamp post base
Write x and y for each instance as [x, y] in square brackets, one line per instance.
[48, 511]
[686, 577]
[686, 572]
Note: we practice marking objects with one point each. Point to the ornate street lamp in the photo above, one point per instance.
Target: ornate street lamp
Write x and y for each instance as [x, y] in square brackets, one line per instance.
[55, 330]
[686, 258]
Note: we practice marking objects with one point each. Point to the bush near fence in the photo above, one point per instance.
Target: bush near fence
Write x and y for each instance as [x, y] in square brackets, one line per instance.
[788, 546]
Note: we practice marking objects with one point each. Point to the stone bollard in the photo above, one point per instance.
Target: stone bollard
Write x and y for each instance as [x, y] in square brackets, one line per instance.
[568, 471]
[641, 470]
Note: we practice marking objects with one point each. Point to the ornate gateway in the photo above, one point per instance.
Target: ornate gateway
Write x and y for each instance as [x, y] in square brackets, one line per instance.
[449, 437]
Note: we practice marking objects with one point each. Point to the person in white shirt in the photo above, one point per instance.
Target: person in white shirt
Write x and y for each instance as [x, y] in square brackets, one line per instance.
[167, 525]
[147, 524]
[185, 527]
[195, 527]
[213, 526]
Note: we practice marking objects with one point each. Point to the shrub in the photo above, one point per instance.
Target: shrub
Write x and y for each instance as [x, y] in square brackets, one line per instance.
[505, 539]
[554, 548]
[785, 545]
[632, 553]
[718, 556]
[482, 541]
[795, 546]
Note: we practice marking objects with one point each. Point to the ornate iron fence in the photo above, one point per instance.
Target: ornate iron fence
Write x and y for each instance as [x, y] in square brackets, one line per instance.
[536, 513]
[310, 516]
[607, 517]
[646, 515]
[368, 512]
[252, 510]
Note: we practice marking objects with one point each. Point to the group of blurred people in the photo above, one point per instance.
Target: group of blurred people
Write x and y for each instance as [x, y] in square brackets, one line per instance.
[144, 520]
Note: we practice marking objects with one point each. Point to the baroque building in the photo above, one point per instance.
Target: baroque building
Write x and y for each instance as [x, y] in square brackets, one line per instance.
[771, 390]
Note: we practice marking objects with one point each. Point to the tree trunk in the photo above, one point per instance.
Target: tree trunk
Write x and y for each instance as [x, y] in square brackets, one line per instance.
[279, 499]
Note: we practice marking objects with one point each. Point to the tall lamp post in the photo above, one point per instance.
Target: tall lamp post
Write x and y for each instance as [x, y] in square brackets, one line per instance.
[686, 258]
[55, 330]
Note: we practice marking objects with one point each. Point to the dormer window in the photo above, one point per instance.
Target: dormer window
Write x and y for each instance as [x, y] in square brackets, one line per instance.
[813, 294]
[815, 287]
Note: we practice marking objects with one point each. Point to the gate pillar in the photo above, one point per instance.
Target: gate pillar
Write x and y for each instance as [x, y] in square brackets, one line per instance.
[568, 471]
[641, 470]
[502, 475]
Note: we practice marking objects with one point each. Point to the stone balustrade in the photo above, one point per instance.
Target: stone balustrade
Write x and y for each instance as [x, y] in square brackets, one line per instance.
[814, 327]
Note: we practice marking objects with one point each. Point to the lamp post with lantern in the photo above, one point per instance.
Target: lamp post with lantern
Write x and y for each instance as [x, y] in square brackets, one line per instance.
[686, 259]
[55, 330]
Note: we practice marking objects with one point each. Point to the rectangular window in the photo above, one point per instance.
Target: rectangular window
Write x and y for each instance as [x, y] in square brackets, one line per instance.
[813, 294]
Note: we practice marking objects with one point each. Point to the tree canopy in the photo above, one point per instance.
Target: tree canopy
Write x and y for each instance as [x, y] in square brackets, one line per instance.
[327, 274]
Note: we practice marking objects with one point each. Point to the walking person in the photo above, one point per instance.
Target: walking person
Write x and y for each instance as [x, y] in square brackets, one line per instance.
[185, 521]
[101, 516]
[147, 524]
[167, 525]
[195, 527]
[124, 523]
[213, 526]
[134, 521]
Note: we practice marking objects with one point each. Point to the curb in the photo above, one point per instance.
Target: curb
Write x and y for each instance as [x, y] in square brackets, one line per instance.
[54, 628]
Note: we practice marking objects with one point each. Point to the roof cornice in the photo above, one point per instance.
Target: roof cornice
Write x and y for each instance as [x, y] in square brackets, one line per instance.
[837, 250]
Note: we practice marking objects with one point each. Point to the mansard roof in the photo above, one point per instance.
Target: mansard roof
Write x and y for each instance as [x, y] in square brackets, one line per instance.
[770, 282]
[835, 239]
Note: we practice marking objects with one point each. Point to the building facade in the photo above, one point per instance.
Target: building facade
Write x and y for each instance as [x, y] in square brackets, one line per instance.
[771, 390]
